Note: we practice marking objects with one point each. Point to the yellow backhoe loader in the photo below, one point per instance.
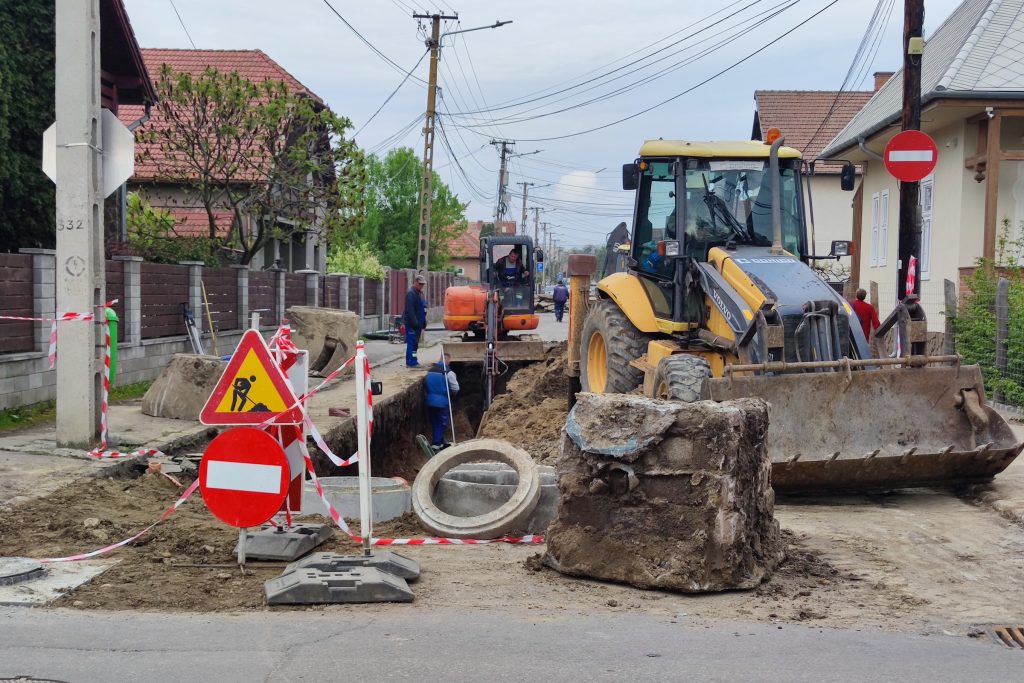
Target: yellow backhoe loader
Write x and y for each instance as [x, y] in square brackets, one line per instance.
[719, 301]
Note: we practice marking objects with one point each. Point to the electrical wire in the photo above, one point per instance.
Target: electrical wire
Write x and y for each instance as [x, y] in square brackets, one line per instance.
[873, 30]
[530, 98]
[393, 93]
[183, 27]
[707, 80]
[367, 42]
[738, 31]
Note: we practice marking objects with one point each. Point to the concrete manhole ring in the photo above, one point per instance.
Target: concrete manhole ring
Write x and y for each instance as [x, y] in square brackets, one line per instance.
[507, 517]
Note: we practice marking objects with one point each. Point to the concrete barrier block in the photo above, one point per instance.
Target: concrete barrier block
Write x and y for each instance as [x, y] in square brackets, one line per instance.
[679, 498]
[183, 386]
[329, 335]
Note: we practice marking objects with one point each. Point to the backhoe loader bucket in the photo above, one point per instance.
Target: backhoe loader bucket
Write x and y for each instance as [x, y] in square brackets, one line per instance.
[877, 429]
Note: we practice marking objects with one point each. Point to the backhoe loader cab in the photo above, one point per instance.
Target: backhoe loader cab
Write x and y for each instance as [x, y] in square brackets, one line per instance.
[719, 301]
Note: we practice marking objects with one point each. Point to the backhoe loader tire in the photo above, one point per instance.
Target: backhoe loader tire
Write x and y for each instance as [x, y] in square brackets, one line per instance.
[681, 377]
[622, 342]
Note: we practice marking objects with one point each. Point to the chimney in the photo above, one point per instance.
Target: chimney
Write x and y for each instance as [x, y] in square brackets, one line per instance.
[881, 77]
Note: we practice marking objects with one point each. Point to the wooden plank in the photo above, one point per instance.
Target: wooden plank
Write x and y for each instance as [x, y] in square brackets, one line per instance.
[992, 189]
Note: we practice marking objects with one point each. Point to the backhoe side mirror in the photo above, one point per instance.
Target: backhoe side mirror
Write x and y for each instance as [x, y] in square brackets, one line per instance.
[630, 176]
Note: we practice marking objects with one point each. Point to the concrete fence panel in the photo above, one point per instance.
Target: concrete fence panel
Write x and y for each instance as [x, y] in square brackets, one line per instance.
[16, 274]
[164, 289]
[262, 295]
[222, 297]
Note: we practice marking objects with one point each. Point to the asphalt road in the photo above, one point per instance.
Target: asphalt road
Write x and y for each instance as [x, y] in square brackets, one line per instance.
[402, 642]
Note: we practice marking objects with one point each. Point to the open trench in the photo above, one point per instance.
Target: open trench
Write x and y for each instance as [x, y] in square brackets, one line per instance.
[400, 417]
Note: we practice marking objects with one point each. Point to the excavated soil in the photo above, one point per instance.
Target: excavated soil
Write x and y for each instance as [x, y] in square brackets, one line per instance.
[922, 562]
[532, 411]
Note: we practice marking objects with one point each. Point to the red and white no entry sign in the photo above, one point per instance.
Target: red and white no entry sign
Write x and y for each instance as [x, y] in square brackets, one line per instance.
[244, 477]
[911, 156]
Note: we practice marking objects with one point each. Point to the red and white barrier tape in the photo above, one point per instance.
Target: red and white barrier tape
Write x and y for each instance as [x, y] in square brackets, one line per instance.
[320, 442]
[113, 546]
[63, 317]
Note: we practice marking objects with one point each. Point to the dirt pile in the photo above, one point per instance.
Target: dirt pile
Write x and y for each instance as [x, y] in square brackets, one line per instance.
[183, 564]
[665, 495]
[532, 411]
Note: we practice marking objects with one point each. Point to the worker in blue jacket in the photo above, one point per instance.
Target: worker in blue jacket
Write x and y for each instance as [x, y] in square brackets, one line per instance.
[441, 384]
[415, 319]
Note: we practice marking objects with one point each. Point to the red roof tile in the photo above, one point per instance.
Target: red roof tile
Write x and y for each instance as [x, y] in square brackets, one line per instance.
[799, 115]
[467, 245]
[254, 65]
[193, 222]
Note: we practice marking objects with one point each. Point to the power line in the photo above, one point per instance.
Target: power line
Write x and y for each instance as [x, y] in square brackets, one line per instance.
[740, 32]
[393, 93]
[529, 98]
[688, 90]
[866, 39]
[183, 27]
[367, 42]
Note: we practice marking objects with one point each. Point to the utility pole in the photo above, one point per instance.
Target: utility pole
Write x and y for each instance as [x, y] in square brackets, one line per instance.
[522, 225]
[499, 203]
[909, 243]
[427, 188]
[80, 278]
[544, 240]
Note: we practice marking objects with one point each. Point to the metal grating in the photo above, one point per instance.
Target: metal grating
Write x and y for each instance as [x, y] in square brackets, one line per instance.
[1010, 636]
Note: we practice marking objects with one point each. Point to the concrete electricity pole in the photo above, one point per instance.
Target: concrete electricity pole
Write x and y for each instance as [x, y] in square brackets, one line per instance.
[522, 225]
[910, 210]
[80, 278]
[427, 188]
[544, 241]
[499, 203]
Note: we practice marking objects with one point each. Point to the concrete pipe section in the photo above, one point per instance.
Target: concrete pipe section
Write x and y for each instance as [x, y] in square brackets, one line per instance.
[479, 487]
[509, 516]
[391, 497]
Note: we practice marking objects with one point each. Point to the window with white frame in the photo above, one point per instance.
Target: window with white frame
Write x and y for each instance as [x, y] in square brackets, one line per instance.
[459, 270]
[874, 229]
[883, 228]
[927, 201]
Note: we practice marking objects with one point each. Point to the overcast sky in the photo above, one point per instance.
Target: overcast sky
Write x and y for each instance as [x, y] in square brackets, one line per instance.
[550, 46]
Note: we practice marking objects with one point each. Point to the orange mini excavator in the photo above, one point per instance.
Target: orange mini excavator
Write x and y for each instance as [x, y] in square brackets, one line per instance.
[502, 303]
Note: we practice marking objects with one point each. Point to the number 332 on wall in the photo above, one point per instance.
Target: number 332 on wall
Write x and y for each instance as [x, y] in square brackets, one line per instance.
[70, 225]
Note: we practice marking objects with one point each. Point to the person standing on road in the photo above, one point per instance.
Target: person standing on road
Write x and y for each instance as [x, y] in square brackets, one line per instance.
[415, 319]
[867, 315]
[441, 384]
[560, 296]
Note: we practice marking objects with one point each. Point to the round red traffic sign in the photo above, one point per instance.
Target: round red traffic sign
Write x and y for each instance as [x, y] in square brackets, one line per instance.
[244, 476]
[911, 155]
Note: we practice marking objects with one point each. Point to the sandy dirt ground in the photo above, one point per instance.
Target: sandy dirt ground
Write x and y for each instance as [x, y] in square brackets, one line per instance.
[922, 561]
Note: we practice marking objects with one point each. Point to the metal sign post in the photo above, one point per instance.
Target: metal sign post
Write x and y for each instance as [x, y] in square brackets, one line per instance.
[365, 501]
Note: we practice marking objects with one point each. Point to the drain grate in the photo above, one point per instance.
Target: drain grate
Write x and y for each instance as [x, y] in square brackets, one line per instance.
[1010, 636]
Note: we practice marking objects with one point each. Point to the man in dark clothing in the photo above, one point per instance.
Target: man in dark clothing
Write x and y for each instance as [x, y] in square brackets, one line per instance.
[510, 269]
[866, 313]
[415, 319]
[560, 296]
[441, 384]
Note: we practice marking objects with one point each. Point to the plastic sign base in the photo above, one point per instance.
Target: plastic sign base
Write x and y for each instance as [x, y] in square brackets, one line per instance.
[384, 560]
[348, 585]
[284, 545]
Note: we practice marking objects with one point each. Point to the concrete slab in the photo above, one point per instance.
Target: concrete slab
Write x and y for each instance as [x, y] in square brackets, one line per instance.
[391, 497]
[280, 545]
[351, 585]
[58, 580]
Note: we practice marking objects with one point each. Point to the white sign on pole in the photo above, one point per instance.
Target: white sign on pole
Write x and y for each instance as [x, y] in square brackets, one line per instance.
[118, 153]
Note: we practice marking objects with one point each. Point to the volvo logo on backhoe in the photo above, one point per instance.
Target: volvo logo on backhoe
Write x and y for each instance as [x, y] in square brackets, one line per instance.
[717, 298]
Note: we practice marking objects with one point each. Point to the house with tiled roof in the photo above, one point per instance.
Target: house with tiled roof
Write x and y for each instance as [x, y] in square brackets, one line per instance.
[465, 249]
[809, 119]
[972, 87]
[150, 177]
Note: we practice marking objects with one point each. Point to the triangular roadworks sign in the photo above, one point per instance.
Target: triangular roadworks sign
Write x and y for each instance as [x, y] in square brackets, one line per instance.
[252, 389]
